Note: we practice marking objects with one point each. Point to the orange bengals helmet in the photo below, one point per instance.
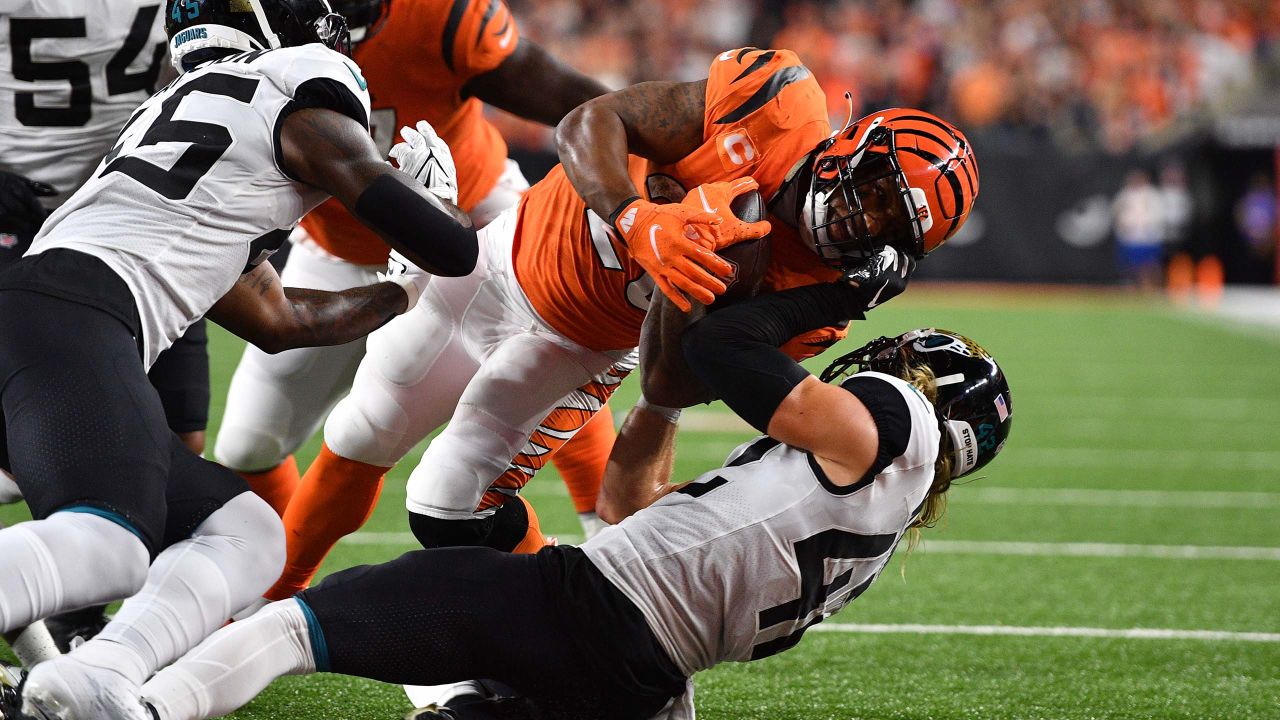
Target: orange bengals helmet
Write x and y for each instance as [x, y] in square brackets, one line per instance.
[899, 177]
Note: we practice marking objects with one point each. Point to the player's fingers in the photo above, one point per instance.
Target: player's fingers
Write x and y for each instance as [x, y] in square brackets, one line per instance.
[711, 262]
[674, 295]
[742, 185]
[428, 133]
[747, 231]
[411, 136]
[703, 276]
[702, 293]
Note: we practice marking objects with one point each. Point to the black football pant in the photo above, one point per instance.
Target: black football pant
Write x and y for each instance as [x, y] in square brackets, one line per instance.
[550, 626]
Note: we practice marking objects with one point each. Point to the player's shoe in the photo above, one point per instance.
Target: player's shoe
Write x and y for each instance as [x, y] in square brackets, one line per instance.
[480, 700]
[78, 626]
[66, 689]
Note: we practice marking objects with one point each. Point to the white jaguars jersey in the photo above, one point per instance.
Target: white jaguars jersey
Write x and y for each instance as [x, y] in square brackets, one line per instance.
[71, 73]
[736, 565]
[177, 204]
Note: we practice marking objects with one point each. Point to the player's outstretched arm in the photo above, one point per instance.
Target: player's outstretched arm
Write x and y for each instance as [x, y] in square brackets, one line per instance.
[331, 151]
[533, 84]
[643, 456]
[735, 352]
[261, 310]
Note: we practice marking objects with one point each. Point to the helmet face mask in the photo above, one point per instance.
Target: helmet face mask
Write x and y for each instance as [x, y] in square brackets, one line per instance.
[861, 202]
[974, 406]
[900, 178]
[244, 25]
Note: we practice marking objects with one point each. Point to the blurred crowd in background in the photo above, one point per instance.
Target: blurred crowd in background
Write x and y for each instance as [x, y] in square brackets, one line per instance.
[1137, 81]
[1107, 73]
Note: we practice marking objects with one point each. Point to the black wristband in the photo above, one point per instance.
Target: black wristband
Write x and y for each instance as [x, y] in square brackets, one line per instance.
[613, 216]
[735, 352]
[426, 234]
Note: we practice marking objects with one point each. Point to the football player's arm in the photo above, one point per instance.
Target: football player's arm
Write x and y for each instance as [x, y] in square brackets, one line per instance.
[643, 456]
[736, 353]
[533, 84]
[331, 151]
[261, 310]
[660, 121]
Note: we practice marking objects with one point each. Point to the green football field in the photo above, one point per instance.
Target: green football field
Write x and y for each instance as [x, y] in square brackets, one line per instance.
[1121, 559]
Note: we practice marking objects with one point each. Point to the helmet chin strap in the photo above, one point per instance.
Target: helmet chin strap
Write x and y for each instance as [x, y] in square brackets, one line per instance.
[848, 118]
[273, 40]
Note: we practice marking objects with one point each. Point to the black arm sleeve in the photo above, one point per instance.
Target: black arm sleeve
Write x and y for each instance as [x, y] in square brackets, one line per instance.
[889, 411]
[426, 234]
[735, 352]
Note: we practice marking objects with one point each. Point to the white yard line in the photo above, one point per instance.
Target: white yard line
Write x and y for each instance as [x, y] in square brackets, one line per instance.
[1088, 549]
[969, 547]
[1088, 497]
[1011, 630]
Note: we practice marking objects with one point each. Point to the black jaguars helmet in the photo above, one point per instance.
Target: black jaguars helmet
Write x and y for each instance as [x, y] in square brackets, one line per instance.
[973, 405]
[242, 25]
[364, 17]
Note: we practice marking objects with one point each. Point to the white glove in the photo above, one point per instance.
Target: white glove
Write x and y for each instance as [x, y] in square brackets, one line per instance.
[427, 158]
[408, 276]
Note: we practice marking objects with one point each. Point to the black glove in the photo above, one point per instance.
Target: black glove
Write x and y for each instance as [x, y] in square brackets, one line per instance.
[880, 278]
[20, 201]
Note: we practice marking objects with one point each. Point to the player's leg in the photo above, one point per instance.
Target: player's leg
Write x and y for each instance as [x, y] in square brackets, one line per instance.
[224, 547]
[406, 387]
[87, 445]
[276, 402]
[430, 616]
[520, 383]
[582, 463]
[181, 378]
[575, 411]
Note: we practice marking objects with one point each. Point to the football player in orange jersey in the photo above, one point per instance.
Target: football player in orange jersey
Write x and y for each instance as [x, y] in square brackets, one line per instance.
[899, 177]
[551, 318]
[432, 59]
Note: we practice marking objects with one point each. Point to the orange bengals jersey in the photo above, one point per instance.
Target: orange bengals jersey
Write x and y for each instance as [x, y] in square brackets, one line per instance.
[416, 65]
[764, 112]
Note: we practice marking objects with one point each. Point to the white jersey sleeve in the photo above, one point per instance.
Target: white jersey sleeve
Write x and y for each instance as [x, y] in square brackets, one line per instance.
[71, 72]
[189, 196]
[736, 565]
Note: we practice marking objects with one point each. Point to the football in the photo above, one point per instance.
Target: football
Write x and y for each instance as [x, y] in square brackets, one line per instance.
[749, 258]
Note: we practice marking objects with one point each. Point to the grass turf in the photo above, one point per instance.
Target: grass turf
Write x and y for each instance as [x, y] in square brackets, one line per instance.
[1110, 393]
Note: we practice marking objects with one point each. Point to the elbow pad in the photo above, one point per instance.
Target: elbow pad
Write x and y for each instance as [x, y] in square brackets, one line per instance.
[416, 224]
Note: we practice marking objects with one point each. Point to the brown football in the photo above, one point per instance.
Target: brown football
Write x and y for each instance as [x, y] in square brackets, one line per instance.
[750, 258]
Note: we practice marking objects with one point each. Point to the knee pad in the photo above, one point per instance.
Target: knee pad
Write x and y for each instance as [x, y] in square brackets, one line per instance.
[246, 450]
[502, 530]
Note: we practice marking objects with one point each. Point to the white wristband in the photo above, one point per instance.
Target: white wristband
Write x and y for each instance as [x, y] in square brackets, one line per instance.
[671, 415]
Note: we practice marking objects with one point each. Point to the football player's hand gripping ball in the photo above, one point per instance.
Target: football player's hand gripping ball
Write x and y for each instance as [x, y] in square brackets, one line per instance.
[410, 277]
[718, 197]
[675, 244]
[881, 277]
[427, 158]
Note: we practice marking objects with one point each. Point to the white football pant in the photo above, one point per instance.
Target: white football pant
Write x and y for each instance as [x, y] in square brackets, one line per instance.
[473, 353]
[276, 402]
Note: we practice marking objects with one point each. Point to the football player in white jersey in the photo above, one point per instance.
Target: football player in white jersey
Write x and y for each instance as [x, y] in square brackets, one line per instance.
[731, 567]
[265, 122]
[71, 73]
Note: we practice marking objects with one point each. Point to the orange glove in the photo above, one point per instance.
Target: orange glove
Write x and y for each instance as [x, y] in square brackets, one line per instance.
[715, 197]
[675, 245]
